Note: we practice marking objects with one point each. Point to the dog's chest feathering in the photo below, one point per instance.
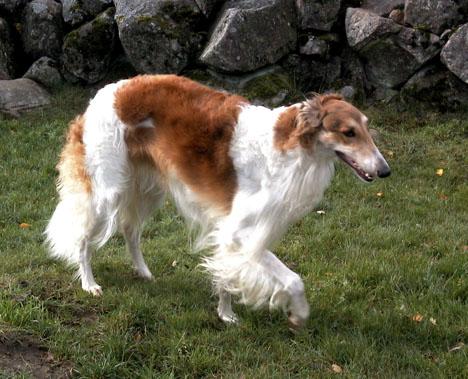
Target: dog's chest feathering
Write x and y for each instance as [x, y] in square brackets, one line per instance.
[292, 182]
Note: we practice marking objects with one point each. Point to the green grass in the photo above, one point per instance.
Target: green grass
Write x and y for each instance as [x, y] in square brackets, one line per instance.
[369, 263]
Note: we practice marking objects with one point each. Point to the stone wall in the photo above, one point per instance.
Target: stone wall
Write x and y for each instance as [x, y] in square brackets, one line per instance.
[370, 50]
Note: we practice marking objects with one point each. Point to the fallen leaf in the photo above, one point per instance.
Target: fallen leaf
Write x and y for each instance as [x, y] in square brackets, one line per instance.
[390, 153]
[174, 263]
[137, 337]
[443, 197]
[379, 194]
[458, 346]
[321, 212]
[24, 225]
[433, 321]
[440, 172]
[336, 368]
[417, 317]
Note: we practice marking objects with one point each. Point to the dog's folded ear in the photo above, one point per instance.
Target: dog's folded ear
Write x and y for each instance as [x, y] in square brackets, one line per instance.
[310, 115]
[313, 111]
[300, 123]
[308, 121]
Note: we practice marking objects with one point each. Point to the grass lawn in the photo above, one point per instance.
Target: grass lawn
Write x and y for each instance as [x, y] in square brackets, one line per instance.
[385, 268]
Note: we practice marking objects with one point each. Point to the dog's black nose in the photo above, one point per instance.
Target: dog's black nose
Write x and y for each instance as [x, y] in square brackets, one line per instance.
[384, 172]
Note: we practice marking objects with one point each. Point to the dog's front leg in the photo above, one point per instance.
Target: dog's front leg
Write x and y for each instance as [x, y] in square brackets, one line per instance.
[291, 295]
[225, 312]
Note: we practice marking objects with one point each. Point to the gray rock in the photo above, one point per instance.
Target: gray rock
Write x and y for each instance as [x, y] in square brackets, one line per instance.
[455, 53]
[315, 46]
[422, 46]
[434, 15]
[382, 7]
[159, 36]
[42, 32]
[353, 74]
[11, 6]
[392, 52]
[75, 12]
[348, 92]
[312, 74]
[21, 95]
[364, 27]
[269, 86]
[320, 15]
[6, 51]
[208, 6]
[384, 95]
[251, 34]
[87, 50]
[438, 87]
[45, 71]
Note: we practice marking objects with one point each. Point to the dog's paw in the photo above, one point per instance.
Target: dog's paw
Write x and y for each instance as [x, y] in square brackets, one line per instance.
[229, 318]
[144, 273]
[94, 289]
[296, 323]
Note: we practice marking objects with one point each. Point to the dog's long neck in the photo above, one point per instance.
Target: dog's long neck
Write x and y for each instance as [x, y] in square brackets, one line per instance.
[275, 187]
[300, 179]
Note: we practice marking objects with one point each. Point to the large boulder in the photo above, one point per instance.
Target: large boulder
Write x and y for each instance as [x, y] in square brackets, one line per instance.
[434, 15]
[438, 87]
[382, 7]
[6, 51]
[75, 12]
[42, 29]
[364, 27]
[455, 53]
[21, 95]
[251, 34]
[159, 36]
[45, 71]
[87, 50]
[392, 53]
[320, 15]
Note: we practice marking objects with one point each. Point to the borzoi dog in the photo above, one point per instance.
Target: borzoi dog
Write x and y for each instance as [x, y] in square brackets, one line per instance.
[241, 172]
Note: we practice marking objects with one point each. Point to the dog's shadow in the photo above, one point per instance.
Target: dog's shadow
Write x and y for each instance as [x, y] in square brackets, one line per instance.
[184, 300]
[187, 294]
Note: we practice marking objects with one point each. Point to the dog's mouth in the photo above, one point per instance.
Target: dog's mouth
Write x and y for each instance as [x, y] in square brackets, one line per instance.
[357, 170]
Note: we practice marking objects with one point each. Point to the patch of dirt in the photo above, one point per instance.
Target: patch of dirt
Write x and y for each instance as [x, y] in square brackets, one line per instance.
[22, 354]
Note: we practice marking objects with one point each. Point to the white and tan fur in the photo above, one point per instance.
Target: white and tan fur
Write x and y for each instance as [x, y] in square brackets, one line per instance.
[143, 138]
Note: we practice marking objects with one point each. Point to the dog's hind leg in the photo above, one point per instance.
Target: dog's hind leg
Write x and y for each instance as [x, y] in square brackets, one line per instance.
[132, 217]
[132, 234]
[85, 272]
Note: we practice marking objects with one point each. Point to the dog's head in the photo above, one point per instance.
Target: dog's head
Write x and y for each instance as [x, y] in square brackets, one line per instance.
[338, 126]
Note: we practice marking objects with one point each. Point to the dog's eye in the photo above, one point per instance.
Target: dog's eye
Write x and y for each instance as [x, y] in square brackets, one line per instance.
[349, 133]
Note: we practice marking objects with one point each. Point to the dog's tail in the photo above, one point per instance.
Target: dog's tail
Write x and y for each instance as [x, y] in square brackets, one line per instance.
[70, 222]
